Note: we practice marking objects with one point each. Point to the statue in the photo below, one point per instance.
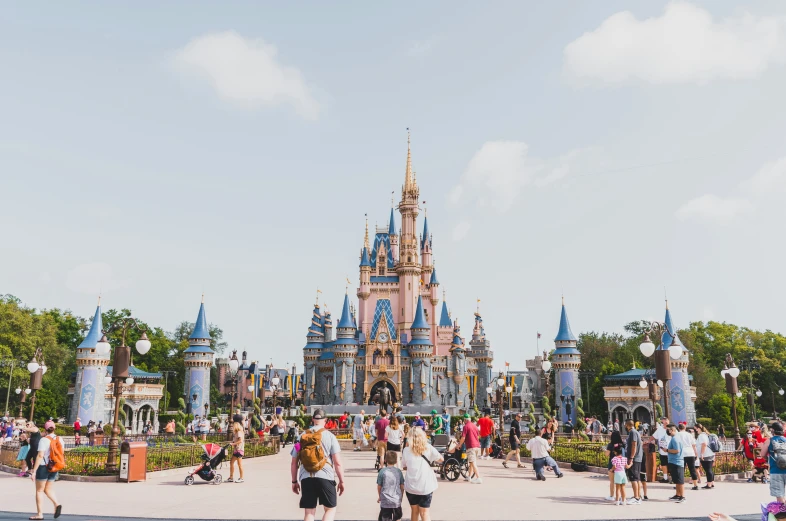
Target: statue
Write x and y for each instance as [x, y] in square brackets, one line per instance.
[383, 397]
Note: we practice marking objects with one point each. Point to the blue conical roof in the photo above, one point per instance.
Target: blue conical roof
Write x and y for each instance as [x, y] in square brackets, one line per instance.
[671, 332]
[420, 317]
[392, 226]
[346, 315]
[425, 233]
[316, 328]
[457, 343]
[364, 260]
[200, 328]
[434, 279]
[94, 335]
[564, 334]
[444, 320]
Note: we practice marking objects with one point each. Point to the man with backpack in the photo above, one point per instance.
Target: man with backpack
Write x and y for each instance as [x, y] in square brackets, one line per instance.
[315, 466]
[775, 450]
[48, 463]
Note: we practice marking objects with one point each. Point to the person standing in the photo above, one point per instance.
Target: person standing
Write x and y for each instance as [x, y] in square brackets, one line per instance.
[515, 442]
[418, 422]
[539, 447]
[676, 464]
[614, 444]
[437, 426]
[446, 420]
[34, 438]
[634, 450]
[204, 427]
[78, 432]
[380, 427]
[45, 480]
[395, 434]
[706, 456]
[721, 432]
[771, 449]
[661, 436]
[357, 430]
[689, 453]
[619, 466]
[238, 449]
[420, 481]
[471, 440]
[315, 466]
[486, 427]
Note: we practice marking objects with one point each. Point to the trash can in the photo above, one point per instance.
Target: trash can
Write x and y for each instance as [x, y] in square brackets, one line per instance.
[133, 461]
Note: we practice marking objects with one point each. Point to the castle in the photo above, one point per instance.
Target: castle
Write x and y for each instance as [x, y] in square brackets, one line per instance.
[398, 335]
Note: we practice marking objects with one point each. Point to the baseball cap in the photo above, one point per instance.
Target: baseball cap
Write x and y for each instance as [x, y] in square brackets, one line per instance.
[466, 416]
[49, 425]
[433, 411]
[319, 414]
[237, 418]
[417, 414]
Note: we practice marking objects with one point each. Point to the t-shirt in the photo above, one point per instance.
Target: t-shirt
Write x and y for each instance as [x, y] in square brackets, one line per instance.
[420, 478]
[390, 479]
[618, 463]
[687, 441]
[486, 424]
[241, 437]
[515, 429]
[380, 426]
[659, 435]
[330, 446]
[774, 468]
[446, 422]
[470, 433]
[634, 436]
[419, 423]
[357, 421]
[45, 446]
[538, 447]
[705, 440]
[676, 459]
[394, 436]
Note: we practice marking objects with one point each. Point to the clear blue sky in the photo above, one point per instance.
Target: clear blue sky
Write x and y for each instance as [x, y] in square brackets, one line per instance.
[156, 151]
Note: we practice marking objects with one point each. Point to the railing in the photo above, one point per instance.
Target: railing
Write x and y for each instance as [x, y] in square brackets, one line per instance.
[153, 440]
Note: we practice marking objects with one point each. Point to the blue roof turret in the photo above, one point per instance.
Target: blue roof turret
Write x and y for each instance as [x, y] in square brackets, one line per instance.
[392, 226]
[364, 259]
[346, 321]
[426, 236]
[458, 342]
[420, 317]
[444, 320]
[434, 279]
[94, 335]
[671, 332]
[316, 328]
[564, 334]
[201, 330]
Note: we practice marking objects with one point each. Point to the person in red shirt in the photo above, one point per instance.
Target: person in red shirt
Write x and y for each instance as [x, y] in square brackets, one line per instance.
[380, 427]
[78, 432]
[486, 426]
[342, 421]
[471, 440]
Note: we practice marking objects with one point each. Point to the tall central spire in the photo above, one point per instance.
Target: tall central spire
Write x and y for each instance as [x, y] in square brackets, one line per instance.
[365, 238]
[409, 180]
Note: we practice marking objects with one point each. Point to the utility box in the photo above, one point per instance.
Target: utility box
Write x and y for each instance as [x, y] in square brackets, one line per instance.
[133, 461]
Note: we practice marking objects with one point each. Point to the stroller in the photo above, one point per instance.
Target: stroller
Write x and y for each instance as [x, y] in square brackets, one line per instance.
[496, 448]
[211, 460]
[762, 471]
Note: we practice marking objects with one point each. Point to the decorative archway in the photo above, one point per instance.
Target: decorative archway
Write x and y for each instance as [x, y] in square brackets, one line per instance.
[376, 385]
[620, 413]
[642, 414]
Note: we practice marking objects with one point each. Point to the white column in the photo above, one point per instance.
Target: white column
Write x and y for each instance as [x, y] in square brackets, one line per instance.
[133, 421]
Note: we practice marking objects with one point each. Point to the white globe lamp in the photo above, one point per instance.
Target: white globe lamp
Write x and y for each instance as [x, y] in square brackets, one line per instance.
[143, 344]
[546, 365]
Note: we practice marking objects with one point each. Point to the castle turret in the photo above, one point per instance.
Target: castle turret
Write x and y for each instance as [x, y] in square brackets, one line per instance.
[89, 388]
[198, 361]
[315, 340]
[408, 268]
[566, 361]
[345, 350]
[425, 249]
[483, 355]
[681, 397]
[420, 349]
[444, 330]
[392, 234]
[364, 289]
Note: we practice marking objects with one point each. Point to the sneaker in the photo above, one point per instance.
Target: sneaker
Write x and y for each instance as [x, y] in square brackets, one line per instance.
[619, 503]
[681, 499]
[645, 498]
[750, 480]
[634, 501]
[239, 480]
[674, 498]
[230, 480]
[610, 498]
[476, 481]
[560, 475]
[466, 478]
[356, 449]
[694, 488]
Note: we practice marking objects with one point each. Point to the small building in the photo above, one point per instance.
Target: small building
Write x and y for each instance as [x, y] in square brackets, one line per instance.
[626, 398]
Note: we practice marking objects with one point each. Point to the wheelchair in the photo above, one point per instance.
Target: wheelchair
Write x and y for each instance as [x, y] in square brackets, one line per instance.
[454, 458]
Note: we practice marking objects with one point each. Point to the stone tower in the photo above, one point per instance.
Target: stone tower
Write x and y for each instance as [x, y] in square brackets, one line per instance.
[481, 352]
[89, 387]
[681, 405]
[198, 361]
[566, 361]
[345, 350]
[420, 349]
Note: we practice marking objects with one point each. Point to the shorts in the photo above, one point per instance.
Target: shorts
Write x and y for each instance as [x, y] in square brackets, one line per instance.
[44, 475]
[390, 514]
[677, 473]
[513, 445]
[237, 454]
[395, 447]
[317, 491]
[664, 460]
[473, 454]
[485, 442]
[381, 449]
[777, 485]
[357, 434]
[634, 472]
[418, 500]
[620, 478]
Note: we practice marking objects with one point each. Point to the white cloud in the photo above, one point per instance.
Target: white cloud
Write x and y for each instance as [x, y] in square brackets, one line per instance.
[770, 179]
[93, 279]
[247, 72]
[460, 230]
[684, 45]
[710, 207]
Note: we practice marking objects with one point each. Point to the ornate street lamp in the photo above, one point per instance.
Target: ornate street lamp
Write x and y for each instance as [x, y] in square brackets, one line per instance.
[663, 357]
[23, 394]
[36, 370]
[750, 364]
[10, 364]
[120, 374]
[730, 373]
[234, 364]
[274, 382]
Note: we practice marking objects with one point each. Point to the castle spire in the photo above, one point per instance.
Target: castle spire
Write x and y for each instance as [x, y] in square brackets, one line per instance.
[392, 226]
[564, 334]
[365, 238]
[420, 317]
[200, 328]
[444, 319]
[346, 315]
[409, 179]
[94, 334]
[426, 238]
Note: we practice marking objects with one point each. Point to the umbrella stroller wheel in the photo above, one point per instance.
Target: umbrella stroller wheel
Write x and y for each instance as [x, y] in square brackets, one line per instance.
[189, 480]
[218, 479]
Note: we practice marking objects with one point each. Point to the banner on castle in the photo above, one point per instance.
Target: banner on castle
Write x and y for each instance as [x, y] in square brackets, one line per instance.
[91, 394]
[197, 390]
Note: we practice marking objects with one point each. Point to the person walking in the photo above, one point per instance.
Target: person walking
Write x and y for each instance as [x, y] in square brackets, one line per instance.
[486, 427]
[45, 480]
[635, 455]
[539, 447]
[390, 487]
[515, 442]
[34, 438]
[315, 466]
[774, 449]
[471, 440]
[689, 453]
[420, 481]
[380, 427]
[357, 430]
[204, 427]
[24, 448]
[676, 463]
[706, 455]
[394, 433]
[238, 449]
[721, 432]
[78, 432]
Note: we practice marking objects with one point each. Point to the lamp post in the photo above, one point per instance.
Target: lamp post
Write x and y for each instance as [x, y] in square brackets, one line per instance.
[166, 392]
[781, 392]
[274, 382]
[23, 394]
[37, 371]
[234, 364]
[730, 373]
[587, 374]
[500, 393]
[750, 364]
[120, 374]
[663, 356]
[11, 364]
[648, 382]
[546, 366]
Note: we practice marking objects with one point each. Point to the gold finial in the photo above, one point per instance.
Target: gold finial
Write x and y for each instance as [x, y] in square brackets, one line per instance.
[444, 296]
[203, 298]
[563, 300]
[409, 181]
[99, 299]
[665, 297]
[365, 239]
[318, 292]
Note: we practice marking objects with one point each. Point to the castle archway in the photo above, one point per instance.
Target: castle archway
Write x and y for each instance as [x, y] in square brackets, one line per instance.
[395, 396]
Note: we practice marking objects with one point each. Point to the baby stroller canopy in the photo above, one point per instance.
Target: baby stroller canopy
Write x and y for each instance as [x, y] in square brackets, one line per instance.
[211, 449]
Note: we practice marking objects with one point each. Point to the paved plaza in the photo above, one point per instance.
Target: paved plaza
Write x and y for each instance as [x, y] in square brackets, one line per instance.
[504, 494]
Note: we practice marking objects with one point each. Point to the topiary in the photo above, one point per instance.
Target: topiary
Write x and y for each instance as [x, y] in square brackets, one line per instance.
[581, 425]
[658, 411]
[531, 417]
[546, 407]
